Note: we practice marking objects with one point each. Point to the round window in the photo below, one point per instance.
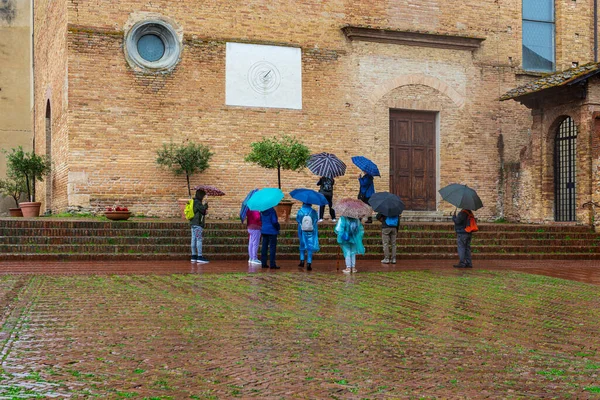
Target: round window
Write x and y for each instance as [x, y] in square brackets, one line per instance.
[152, 45]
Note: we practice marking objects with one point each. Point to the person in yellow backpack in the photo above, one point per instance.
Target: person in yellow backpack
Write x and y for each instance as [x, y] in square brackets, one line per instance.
[197, 224]
[463, 237]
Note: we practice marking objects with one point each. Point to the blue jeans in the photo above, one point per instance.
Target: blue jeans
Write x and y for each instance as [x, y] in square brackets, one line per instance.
[463, 241]
[269, 242]
[197, 240]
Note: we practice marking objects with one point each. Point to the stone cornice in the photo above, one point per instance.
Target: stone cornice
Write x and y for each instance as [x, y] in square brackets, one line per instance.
[412, 38]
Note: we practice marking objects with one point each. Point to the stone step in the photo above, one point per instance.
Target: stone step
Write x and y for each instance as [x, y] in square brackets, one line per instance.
[141, 225]
[91, 239]
[294, 256]
[216, 249]
[430, 240]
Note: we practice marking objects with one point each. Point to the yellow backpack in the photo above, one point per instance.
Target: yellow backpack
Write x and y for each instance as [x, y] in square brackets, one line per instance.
[189, 209]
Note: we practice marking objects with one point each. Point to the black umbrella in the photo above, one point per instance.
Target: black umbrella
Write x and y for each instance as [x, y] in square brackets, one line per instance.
[461, 196]
[387, 203]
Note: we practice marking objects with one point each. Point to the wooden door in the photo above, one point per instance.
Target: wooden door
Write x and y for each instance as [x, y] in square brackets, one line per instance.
[412, 158]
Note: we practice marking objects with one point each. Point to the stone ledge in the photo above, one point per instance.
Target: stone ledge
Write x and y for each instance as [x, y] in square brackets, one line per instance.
[411, 38]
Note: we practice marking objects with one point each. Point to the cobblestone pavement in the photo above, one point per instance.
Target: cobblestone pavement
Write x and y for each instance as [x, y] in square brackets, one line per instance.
[153, 330]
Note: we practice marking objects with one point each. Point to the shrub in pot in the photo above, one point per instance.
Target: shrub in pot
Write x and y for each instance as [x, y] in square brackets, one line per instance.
[283, 153]
[186, 158]
[14, 188]
[28, 167]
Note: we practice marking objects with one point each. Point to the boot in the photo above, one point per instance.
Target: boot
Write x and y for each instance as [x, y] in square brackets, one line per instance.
[308, 267]
[301, 265]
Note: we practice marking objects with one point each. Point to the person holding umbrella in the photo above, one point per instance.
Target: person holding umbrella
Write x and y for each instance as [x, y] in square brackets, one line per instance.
[326, 189]
[264, 200]
[350, 231]
[388, 207]
[465, 224]
[253, 223]
[269, 230]
[197, 225]
[367, 188]
[327, 166]
[308, 231]
[308, 234]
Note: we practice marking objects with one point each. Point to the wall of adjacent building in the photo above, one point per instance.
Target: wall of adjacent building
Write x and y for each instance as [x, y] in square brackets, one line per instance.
[118, 118]
[51, 88]
[15, 86]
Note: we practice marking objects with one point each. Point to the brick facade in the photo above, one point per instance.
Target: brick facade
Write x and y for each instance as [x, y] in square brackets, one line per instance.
[108, 120]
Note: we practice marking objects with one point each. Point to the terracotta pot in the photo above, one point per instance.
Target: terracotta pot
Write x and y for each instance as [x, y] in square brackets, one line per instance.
[117, 215]
[15, 212]
[182, 203]
[30, 208]
[283, 210]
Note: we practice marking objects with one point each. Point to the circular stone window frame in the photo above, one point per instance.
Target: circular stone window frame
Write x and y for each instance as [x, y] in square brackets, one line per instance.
[166, 33]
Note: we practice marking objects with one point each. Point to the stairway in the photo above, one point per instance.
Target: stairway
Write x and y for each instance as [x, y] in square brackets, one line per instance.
[69, 239]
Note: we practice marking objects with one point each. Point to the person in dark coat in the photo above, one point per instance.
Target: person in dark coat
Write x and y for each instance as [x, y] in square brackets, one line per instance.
[197, 224]
[367, 189]
[269, 230]
[326, 189]
[463, 238]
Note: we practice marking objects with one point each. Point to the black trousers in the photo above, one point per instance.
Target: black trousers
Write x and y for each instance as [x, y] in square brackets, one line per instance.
[329, 198]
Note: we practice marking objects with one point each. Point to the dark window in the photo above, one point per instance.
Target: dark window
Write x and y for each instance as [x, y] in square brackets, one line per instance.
[565, 151]
[151, 47]
[538, 35]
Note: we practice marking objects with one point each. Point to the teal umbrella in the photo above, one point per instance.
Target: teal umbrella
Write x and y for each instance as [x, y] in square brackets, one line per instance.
[265, 199]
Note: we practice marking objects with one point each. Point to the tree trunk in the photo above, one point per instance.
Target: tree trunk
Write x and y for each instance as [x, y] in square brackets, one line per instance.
[187, 177]
[279, 176]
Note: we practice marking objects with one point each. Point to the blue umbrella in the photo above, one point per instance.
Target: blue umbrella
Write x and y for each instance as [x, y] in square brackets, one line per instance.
[366, 165]
[309, 196]
[265, 199]
[244, 209]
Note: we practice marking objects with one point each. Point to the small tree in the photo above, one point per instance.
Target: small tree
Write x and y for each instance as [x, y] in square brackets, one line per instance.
[284, 153]
[13, 188]
[185, 159]
[27, 167]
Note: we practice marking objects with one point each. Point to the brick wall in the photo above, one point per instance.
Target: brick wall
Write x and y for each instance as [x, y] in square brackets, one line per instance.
[118, 118]
[51, 86]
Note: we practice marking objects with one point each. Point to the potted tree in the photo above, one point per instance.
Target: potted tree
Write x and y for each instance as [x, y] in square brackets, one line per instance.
[14, 188]
[29, 167]
[285, 153]
[185, 158]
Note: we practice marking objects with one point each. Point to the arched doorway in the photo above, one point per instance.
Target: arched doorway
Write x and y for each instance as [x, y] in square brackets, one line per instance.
[49, 155]
[565, 170]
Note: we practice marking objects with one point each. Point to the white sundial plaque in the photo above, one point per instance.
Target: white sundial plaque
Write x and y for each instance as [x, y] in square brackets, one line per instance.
[263, 76]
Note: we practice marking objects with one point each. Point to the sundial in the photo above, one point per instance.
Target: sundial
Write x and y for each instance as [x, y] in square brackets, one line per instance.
[263, 76]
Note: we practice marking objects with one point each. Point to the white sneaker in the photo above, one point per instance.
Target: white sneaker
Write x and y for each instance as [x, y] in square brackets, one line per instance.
[347, 270]
[354, 270]
[385, 261]
[321, 220]
[255, 262]
[333, 220]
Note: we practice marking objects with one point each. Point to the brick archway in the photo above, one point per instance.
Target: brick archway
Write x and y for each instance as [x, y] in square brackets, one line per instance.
[417, 79]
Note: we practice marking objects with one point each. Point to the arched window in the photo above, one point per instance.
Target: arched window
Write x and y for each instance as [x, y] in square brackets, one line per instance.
[565, 170]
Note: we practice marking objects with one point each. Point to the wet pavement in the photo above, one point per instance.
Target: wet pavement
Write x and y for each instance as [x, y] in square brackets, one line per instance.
[587, 271]
[417, 329]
